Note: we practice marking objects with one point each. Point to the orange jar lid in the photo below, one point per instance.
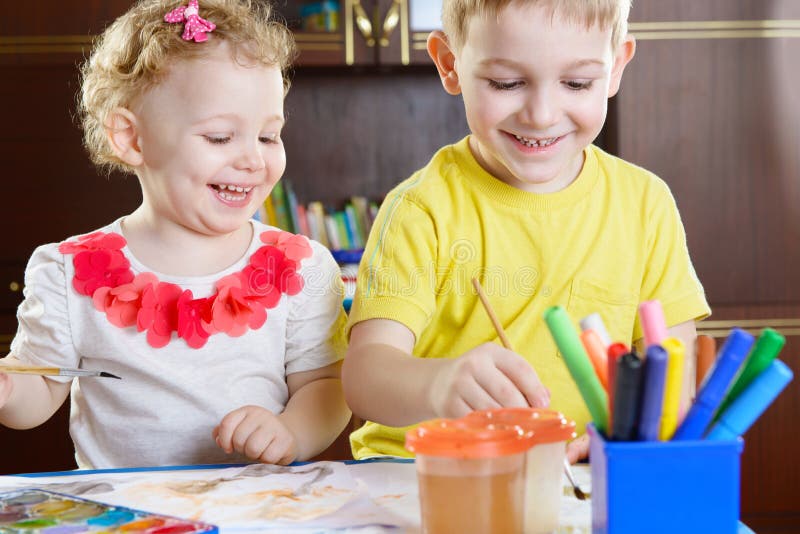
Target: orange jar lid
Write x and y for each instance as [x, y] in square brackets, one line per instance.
[548, 426]
[457, 438]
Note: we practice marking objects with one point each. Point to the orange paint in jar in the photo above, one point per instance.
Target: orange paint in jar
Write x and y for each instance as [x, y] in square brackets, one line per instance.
[471, 477]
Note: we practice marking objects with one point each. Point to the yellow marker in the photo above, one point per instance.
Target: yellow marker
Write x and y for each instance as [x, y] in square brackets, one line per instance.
[672, 387]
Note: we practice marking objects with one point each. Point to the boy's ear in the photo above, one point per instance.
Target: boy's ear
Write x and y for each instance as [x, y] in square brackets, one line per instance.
[123, 136]
[445, 60]
[623, 55]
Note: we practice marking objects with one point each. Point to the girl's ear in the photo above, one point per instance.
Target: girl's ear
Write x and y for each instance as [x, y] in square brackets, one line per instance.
[445, 60]
[123, 136]
[623, 55]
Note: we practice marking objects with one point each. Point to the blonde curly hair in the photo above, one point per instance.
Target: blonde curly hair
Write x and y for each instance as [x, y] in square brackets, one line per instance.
[456, 14]
[135, 51]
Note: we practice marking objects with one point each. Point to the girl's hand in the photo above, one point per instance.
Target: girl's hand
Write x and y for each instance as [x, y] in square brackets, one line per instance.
[578, 449]
[6, 387]
[258, 434]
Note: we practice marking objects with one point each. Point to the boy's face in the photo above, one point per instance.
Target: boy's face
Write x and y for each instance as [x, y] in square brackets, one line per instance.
[209, 142]
[535, 90]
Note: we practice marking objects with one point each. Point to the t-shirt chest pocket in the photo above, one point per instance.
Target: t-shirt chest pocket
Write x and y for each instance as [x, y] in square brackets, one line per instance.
[616, 305]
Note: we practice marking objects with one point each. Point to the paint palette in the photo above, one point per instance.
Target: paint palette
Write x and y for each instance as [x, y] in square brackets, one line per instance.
[45, 512]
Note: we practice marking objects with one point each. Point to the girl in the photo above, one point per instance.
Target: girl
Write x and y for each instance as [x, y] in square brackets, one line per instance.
[227, 333]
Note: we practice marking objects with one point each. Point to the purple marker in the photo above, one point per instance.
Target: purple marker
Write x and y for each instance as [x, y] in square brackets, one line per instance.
[655, 373]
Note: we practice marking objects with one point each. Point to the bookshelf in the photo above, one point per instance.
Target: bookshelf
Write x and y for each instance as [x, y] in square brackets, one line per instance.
[343, 231]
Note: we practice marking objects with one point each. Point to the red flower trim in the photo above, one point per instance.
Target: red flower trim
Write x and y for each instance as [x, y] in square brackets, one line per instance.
[240, 303]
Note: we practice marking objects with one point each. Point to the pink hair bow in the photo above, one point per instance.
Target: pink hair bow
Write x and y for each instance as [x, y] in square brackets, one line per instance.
[196, 27]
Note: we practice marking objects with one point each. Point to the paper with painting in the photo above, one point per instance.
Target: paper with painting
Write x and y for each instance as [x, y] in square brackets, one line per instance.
[253, 497]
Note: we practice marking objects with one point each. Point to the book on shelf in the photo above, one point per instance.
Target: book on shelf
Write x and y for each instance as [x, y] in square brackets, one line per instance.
[343, 229]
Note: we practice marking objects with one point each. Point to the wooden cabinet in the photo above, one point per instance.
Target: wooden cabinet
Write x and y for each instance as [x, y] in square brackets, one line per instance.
[348, 42]
[708, 104]
[368, 33]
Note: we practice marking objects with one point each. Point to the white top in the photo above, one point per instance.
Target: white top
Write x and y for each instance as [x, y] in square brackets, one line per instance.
[163, 410]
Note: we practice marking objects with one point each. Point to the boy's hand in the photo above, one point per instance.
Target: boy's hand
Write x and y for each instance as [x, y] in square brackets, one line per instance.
[487, 376]
[258, 434]
[6, 388]
[578, 449]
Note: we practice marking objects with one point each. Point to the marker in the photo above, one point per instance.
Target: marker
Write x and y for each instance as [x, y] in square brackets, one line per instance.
[766, 349]
[627, 397]
[597, 355]
[710, 396]
[566, 338]
[653, 325]
[615, 352]
[752, 402]
[706, 355]
[672, 387]
[655, 374]
[595, 322]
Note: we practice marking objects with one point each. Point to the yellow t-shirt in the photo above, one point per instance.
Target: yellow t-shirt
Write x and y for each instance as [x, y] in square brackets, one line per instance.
[609, 241]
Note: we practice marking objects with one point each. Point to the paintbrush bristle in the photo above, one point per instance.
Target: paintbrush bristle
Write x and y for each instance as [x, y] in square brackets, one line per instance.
[109, 375]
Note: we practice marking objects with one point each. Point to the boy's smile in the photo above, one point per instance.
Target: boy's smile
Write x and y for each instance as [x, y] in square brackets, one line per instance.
[535, 90]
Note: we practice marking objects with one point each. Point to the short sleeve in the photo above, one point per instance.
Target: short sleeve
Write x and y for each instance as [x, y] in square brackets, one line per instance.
[315, 326]
[669, 275]
[43, 333]
[397, 277]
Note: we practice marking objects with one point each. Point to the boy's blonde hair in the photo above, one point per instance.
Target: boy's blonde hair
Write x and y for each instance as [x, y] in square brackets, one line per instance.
[135, 52]
[456, 14]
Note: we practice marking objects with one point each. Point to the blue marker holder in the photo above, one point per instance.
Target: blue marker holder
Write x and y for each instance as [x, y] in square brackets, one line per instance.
[668, 487]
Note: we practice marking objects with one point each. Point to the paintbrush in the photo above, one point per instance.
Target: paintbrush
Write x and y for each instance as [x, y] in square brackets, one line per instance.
[507, 344]
[52, 371]
[579, 494]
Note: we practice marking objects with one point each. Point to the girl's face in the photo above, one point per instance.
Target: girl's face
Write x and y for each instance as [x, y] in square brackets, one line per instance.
[209, 137]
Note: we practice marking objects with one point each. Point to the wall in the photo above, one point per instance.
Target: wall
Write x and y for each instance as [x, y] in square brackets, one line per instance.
[709, 103]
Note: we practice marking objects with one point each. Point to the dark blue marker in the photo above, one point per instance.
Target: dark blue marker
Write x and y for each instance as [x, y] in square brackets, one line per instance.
[655, 373]
[627, 397]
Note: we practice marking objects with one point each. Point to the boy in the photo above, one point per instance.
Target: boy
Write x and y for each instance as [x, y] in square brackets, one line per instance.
[528, 206]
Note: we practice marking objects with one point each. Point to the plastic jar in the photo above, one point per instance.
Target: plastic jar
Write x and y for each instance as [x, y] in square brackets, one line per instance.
[471, 476]
[544, 463]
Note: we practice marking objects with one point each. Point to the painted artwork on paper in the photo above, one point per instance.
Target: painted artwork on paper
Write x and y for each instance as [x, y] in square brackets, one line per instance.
[256, 496]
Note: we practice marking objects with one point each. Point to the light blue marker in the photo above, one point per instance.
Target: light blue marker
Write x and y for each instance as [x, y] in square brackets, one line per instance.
[751, 403]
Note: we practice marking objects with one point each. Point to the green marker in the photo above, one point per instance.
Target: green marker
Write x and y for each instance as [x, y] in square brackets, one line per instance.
[765, 350]
[579, 365]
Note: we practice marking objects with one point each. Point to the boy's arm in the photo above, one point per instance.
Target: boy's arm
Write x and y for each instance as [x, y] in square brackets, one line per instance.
[384, 383]
[316, 412]
[30, 400]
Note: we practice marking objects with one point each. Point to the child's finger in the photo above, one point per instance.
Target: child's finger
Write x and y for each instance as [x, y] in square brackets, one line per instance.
[520, 372]
[474, 394]
[226, 429]
[578, 449]
[280, 450]
[258, 442]
[244, 430]
[501, 390]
